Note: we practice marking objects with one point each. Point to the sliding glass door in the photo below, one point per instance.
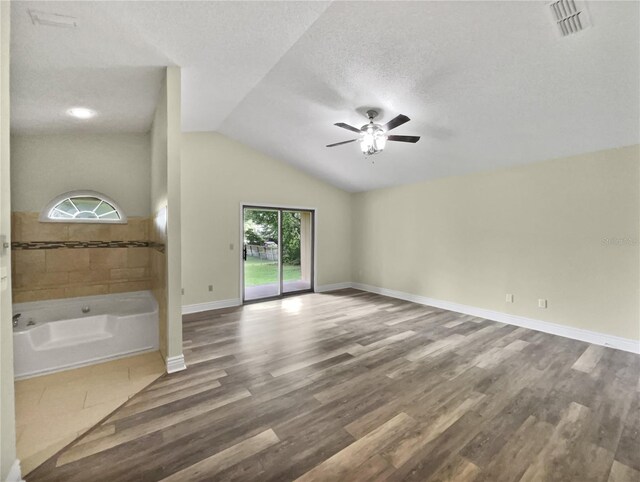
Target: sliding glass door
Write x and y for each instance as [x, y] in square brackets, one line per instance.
[261, 253]
[297, 250]
[277, 253]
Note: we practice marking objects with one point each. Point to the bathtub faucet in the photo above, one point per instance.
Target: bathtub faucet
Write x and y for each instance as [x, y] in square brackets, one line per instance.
[15, 319]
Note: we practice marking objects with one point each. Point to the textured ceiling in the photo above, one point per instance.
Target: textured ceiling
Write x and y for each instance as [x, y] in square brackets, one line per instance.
[487, 84]
[113, 60]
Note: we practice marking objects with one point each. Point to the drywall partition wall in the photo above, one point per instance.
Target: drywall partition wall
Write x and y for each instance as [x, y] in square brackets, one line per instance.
[564, 230]
[165, 226]
[174, 227]
[9, 466]
[158, 226]
[44, 166]
[218, 174]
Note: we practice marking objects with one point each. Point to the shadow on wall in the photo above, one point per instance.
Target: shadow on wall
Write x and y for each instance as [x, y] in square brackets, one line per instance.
[158, 271]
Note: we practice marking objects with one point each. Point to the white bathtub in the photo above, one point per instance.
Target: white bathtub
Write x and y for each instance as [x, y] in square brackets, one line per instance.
[56, 335]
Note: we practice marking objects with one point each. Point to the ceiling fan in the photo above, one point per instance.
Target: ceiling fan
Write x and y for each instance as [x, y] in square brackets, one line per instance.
[374, 137]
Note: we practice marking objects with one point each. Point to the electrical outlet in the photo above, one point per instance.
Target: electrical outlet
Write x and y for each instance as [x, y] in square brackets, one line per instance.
[509, 298]
[542, 303]
[210, 287]
[182, 290]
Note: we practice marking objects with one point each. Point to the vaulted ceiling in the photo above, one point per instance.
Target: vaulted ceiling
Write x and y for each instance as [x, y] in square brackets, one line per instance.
[486, 84]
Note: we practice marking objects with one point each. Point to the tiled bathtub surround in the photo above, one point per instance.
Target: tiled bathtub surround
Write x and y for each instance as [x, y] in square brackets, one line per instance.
[68, 271]
[26, 227]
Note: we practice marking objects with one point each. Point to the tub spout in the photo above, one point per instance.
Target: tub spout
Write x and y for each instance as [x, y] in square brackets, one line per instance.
[15, 319]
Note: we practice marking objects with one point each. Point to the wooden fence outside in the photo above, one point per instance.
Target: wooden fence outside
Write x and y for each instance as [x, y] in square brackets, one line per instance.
[262, 252]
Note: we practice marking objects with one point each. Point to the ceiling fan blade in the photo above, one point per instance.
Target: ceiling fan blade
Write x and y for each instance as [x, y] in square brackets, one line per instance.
[340, 143]
[395, 122]
[348, 127]
[413, 139]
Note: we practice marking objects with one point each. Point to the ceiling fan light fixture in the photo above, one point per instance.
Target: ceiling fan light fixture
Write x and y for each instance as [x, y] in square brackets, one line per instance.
[373, 141]
[373, 137]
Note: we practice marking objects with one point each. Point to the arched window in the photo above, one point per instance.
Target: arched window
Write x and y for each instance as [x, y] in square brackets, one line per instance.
[83, 207]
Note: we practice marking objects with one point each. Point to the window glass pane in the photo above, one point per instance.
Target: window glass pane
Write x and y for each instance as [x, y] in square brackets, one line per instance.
[112, 215]
[104, 208]
[86, 215]
[66, 207]
[86, 203]
[55, 214]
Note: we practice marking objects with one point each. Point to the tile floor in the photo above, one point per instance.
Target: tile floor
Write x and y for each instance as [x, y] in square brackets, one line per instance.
[52, 410]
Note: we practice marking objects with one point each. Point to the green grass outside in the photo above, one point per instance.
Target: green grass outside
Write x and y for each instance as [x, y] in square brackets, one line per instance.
[262, 272]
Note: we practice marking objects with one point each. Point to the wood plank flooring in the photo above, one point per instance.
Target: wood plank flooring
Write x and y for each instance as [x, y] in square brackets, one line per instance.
[359, 387]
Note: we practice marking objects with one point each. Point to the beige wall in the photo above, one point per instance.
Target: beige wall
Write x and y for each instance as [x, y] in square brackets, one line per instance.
[565, 230]
[165, 203]
[218, 174]
[7, 409]
[44, 166]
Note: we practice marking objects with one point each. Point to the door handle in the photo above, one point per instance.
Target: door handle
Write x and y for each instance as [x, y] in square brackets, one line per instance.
[244, 252]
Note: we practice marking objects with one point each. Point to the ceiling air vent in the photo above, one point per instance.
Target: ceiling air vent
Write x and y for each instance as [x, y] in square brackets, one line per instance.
[570, 16]
[52, 19]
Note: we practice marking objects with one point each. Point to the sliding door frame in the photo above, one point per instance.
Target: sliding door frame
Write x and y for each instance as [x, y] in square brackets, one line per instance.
[314, 259]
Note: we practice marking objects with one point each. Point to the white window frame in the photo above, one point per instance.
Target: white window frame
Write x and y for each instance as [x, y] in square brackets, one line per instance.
[44, 214]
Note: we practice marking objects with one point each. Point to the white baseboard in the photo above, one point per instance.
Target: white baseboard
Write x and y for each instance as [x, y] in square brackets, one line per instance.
[594, 337]
[333, 287]
[211, 305]
[625, 344]
[216, 305]
[14, 474]
[175, 364]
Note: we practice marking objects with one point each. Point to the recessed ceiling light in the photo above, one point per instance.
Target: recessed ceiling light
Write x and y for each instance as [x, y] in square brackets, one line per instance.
[81, 113]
